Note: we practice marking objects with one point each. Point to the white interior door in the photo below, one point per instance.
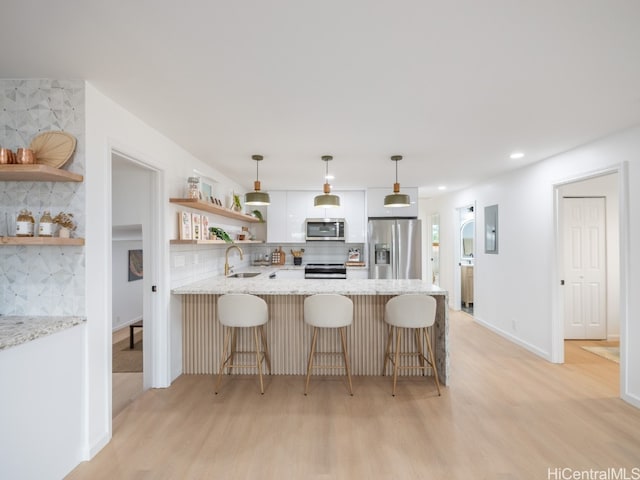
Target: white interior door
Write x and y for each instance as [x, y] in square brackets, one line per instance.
[585, 268]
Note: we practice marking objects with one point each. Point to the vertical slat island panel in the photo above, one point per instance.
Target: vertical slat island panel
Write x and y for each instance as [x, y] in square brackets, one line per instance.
[289, 337]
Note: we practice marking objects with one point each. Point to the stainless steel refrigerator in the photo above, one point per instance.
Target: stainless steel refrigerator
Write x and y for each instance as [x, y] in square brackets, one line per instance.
[395, 248]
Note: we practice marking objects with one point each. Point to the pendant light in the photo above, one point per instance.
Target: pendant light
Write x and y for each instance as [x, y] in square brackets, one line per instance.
[327, 200]
[397, 199]
[257, 197]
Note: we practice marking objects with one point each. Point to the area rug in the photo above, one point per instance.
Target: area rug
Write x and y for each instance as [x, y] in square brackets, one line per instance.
[126, 359]
[610, 353]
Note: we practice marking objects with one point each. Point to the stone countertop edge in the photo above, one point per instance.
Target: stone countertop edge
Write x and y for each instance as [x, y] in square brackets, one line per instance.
[18, 329]
[263, 285]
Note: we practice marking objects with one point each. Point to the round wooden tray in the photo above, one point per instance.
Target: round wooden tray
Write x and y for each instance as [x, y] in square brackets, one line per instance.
[53, 148]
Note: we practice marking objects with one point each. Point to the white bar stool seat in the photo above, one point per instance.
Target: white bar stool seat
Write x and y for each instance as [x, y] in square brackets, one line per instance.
[240, 310]
[328, 311]
[410, 312]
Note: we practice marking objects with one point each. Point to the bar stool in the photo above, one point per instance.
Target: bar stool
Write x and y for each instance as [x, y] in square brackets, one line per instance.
[240, 310]
[328, 311]
[418, 313]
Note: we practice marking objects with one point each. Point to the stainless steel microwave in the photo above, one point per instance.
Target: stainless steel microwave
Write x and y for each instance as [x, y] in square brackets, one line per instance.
[324, 229]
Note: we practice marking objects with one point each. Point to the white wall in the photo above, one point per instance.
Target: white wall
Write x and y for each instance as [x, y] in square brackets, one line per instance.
[42, 406]
[606, 186]
[515, 291]
[127, 296]
[110, 127]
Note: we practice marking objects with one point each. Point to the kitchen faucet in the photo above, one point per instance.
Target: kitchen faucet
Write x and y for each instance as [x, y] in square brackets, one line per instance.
[226, 258]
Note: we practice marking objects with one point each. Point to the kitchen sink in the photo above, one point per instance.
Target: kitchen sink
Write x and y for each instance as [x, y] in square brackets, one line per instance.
[244, 275]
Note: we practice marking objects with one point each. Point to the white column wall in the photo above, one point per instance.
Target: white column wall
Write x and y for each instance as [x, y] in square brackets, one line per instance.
[515, 290]
[108, 127]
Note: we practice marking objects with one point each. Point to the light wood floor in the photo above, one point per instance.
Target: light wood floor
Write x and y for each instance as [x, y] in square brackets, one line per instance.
[126, 386]
[506, 415]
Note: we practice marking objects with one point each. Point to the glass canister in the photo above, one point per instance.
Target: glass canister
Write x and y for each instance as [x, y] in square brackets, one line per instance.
[45, 227]
[24, 224]
[193, 187]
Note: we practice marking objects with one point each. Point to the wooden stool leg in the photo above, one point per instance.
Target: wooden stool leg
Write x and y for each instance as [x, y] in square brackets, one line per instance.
[386, 351]
[346, 357]
[265, 348]
[432, 360]
[395, 361]
[418, 337]
[310, 362]
[234, 345]
[224, 357]
[258, 358]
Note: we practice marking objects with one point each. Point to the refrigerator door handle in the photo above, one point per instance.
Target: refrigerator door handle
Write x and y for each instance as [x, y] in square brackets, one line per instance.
[395, 257]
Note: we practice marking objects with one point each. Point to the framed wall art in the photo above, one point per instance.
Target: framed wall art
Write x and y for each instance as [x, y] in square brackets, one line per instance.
[135, 265]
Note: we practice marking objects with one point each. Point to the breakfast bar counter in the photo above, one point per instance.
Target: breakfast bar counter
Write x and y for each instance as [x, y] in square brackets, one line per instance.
[287, 334]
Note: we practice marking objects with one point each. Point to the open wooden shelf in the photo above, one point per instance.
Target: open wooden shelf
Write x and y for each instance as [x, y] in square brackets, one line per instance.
[37, 173]
[211, 208]
[211, 242]
[41, 241]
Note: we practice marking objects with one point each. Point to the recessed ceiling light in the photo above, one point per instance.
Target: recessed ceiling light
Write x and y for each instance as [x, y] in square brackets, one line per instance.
[516, 155]
[442, 187]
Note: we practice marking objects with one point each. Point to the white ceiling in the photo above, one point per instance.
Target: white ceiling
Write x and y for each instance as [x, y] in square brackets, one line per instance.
[454, 86]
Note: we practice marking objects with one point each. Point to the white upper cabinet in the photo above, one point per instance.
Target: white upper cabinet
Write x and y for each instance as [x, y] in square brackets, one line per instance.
[288, 210]
[298, 206]
[277, 217]
[376, 208]
[352, 202]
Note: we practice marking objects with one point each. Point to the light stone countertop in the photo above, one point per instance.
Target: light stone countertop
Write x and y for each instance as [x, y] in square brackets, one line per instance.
[16, 329]
[263, 285]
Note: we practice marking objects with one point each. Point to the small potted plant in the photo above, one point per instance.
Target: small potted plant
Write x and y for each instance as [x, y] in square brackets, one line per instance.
[66, 224]
[258, 215]
[236, 205]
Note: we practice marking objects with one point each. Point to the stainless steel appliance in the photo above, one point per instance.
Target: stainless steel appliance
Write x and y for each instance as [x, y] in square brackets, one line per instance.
[325, 271]
[395, 248]
[324, 229]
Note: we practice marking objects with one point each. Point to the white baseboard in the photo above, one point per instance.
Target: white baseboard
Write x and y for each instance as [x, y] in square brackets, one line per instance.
[92, 450]
[631, 399]
[509, 336]
[126, 324]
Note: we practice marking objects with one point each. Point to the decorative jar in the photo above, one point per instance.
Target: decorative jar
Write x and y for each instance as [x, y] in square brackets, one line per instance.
[45, 227]
[193, 187]
[24, 224]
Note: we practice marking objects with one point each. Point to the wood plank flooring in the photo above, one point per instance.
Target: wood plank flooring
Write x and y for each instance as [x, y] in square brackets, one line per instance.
[506, 415]
[126, 387]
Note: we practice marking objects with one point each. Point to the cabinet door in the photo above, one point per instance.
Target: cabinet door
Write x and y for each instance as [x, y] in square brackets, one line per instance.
[354, 215]
[298, 203]
[277, 217]
[297, 274]
[357, 273]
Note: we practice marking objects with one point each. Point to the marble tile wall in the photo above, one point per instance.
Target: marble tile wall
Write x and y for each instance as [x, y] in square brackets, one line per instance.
[42, 280]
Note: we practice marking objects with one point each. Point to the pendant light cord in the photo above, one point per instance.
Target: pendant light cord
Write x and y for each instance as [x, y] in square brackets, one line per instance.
[396, 162]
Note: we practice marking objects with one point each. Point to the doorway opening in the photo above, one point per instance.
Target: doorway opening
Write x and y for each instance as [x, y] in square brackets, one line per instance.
[132, 272]
[589, 262]
[435, 249]
[465, 235]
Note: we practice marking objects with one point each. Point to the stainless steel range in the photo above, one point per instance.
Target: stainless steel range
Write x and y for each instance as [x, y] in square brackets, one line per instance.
[325, 271]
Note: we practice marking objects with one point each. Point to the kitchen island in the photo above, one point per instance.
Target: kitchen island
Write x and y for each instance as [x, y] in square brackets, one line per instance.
[287, 334]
